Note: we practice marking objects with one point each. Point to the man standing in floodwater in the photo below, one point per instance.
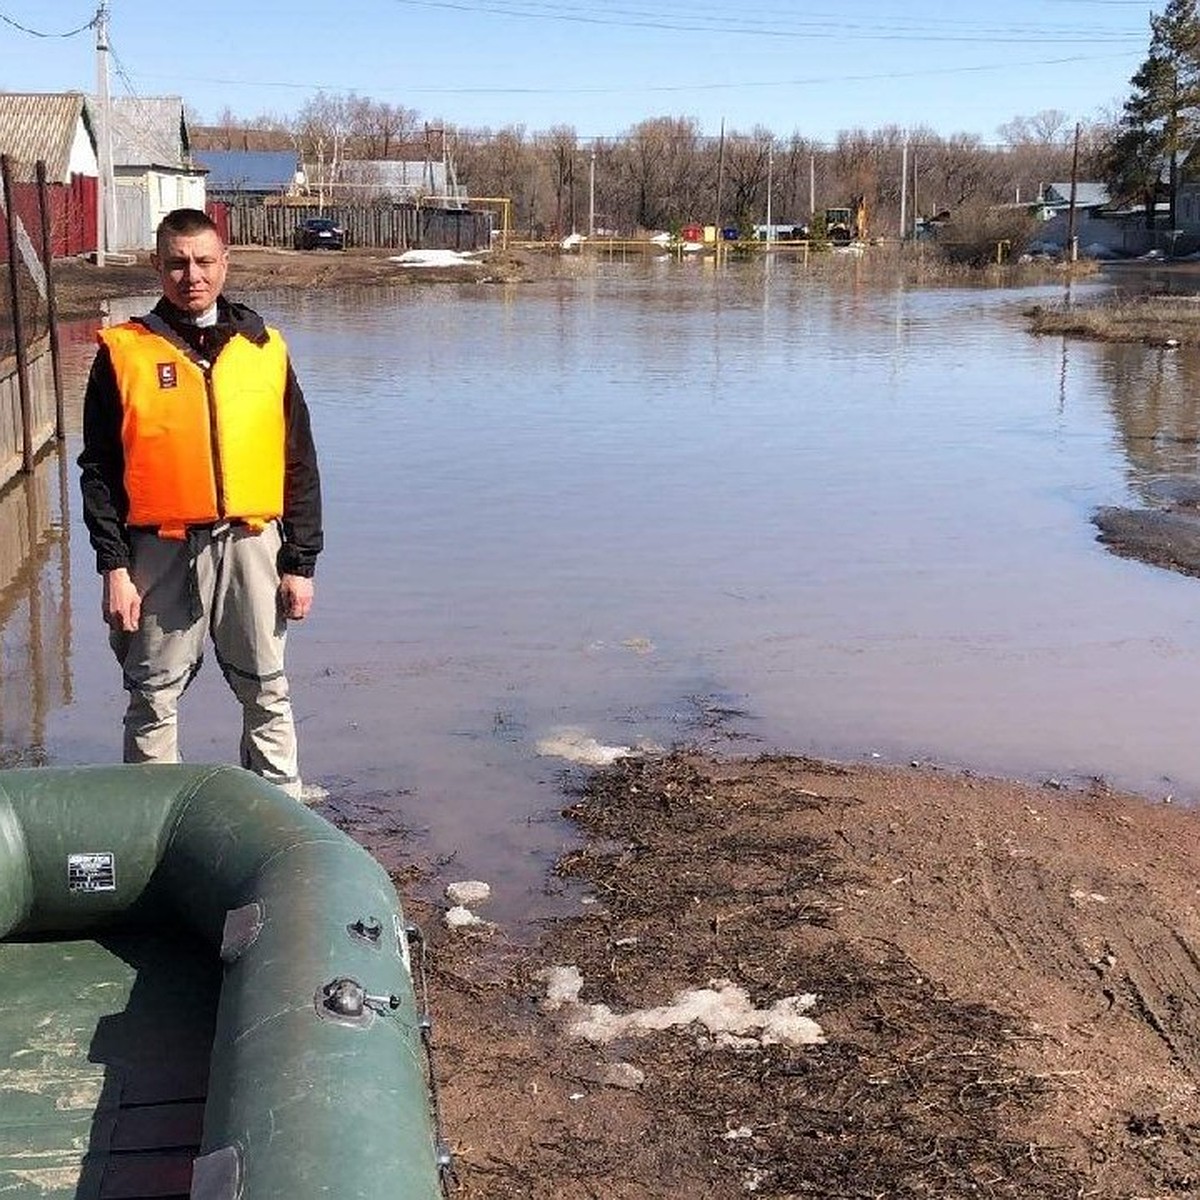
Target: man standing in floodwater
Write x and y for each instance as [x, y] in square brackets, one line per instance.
[202, 499]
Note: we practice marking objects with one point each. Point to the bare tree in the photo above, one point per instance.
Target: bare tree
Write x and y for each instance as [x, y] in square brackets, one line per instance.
[561, 145]
[745, 185]
[501, 164]
[662, 168]
[1049, 127]
[379, 131]
[323, 127]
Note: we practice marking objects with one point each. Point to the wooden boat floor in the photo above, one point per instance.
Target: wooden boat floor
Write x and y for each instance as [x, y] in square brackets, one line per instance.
[104, 1048]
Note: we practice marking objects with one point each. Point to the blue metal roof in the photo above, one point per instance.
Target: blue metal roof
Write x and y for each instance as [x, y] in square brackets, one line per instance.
[261, 171]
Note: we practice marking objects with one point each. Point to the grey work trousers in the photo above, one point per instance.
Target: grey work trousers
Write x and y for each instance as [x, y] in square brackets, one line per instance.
[223, 583]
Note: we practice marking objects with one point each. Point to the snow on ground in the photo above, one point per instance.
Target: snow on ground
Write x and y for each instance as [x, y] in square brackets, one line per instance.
[435, 258]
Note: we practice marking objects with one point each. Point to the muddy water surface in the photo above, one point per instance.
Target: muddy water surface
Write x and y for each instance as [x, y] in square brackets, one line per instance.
[654, 504]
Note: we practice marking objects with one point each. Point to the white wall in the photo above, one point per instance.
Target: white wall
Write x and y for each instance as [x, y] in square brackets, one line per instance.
[144, 198]
[83, 159]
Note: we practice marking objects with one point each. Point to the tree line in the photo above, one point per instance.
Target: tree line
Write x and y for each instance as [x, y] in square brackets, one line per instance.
[664, 172]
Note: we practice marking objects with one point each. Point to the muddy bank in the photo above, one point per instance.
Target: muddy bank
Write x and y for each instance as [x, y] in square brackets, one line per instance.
[1003, 979]
[81, 287]
[1162, 538]
[1164, 321]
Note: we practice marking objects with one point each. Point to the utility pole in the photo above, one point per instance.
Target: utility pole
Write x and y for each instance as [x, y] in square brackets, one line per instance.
[105, 201]
[904, 190]
[770, 164]
[592, 195]
[720, 181]
[916, 211]
[1072, 248]
[812, 185]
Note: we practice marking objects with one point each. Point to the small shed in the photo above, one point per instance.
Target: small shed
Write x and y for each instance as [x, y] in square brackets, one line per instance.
[56, 128]
[152, 167]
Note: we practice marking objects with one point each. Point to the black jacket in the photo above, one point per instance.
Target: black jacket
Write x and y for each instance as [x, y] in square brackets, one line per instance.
[102, 462]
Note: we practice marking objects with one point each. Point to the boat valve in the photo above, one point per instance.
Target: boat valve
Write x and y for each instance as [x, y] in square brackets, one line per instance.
[388, 1003]
[347, 1000]
[344, 997]
[366, 929]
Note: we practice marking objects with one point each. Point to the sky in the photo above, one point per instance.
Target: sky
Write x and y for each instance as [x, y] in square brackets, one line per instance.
[816, 69]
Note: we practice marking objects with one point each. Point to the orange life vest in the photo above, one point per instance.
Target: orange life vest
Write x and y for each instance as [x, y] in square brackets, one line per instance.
[200, 447]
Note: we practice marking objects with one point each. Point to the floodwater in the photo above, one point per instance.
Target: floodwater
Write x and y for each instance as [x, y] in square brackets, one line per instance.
[657, 503]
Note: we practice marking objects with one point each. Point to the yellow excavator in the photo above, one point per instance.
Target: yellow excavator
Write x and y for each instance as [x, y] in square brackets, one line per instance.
[846, 225]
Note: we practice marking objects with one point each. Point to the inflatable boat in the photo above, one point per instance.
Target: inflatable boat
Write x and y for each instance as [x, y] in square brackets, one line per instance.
[206, 991]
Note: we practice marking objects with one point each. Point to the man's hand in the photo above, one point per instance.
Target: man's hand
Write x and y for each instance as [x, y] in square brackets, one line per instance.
[295, 596]
[121, 603]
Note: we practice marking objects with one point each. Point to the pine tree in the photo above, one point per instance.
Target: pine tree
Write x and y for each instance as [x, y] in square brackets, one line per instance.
[1161, 119]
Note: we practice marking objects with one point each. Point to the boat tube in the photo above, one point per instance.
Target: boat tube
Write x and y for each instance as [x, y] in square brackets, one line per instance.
[317, 1081]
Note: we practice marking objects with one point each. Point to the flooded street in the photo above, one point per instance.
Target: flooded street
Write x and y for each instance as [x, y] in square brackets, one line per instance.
[654, 504]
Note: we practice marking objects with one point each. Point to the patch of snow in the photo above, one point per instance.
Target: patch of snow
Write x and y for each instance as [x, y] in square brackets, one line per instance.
[459, 917]
[723, 1008]
[467, 892]
[435, 258]
[579, 747]
[313, 793]
[563, 985]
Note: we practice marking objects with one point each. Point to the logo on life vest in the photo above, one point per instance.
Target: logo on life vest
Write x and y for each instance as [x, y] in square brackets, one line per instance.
[166, 375]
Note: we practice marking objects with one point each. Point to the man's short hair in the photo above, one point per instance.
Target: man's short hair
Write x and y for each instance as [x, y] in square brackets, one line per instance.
[183, 222]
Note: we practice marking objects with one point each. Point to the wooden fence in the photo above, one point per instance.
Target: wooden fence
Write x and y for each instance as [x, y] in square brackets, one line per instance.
[42, 416]
[396, 227]
[31, 395]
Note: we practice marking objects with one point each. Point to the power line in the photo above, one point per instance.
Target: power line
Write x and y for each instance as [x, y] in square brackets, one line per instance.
[40, 33]
[803, 28]
[639, 89]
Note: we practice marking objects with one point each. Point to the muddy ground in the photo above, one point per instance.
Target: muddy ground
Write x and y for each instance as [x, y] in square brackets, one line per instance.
[819, 980]
[81, 287]
[1004, 977]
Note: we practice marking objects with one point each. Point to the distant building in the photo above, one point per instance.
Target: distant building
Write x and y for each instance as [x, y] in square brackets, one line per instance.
[1056, 198]
[401, 182]
[254, 175]
[56, 129]
[152, 167]
[1102, 227]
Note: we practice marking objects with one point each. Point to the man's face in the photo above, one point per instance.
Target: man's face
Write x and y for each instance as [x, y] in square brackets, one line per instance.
[192, 270]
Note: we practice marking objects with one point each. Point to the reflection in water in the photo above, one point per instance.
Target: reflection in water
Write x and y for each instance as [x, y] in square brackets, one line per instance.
[658, 503]
[1155, 399]
[35, 607]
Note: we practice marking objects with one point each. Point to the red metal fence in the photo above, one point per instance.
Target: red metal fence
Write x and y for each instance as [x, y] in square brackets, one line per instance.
[73, 212]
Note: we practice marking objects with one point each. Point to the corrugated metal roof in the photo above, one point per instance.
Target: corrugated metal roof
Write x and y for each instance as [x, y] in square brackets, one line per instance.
[1087, 195]
[41, 126]
[398, 178]
[148, 131]
[248, 170]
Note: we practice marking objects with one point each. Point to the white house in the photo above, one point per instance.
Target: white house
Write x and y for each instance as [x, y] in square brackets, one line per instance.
[152, 166]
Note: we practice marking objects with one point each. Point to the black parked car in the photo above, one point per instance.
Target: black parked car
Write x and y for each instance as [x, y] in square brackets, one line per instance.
[319, 233]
